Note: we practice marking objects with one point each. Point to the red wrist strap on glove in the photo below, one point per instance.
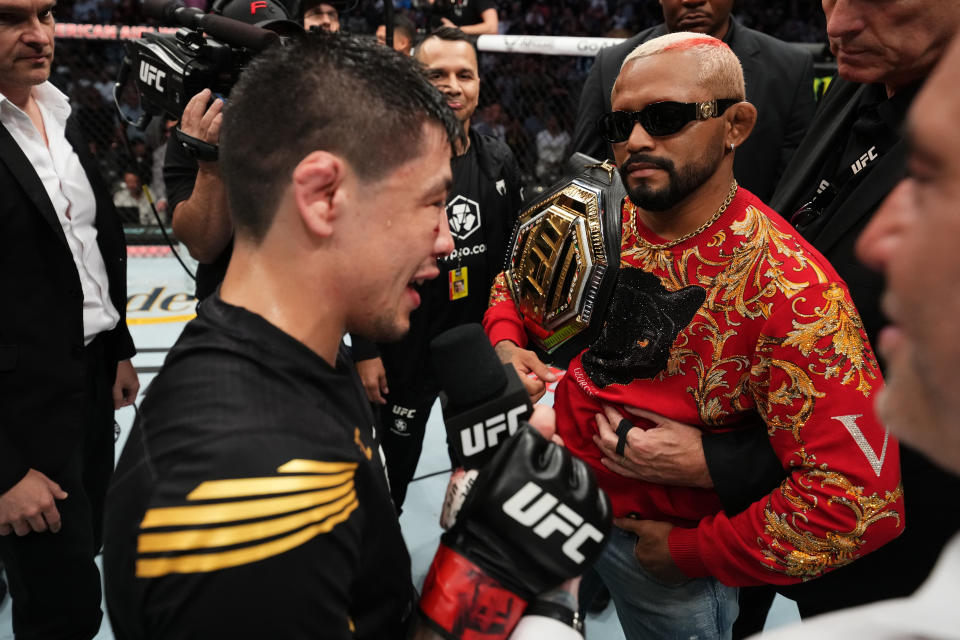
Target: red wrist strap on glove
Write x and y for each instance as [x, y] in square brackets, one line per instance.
[462, 602]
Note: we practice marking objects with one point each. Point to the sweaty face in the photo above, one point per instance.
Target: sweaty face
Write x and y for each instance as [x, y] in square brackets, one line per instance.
[324, 16]
[660, 172]
[451, 66]
[896, 42]
[26, 44]
[700, 16]
[398, 231]
[912, 240]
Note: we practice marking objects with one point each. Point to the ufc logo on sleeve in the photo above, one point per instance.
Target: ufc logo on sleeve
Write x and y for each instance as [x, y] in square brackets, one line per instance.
[487, 434]
[533, 507]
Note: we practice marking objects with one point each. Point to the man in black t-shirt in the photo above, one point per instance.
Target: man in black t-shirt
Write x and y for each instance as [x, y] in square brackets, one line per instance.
[254, 473]
[481, 210]
[251, 499]
[473, 17]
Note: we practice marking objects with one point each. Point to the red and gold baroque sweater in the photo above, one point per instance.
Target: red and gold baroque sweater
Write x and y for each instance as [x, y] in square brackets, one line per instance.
[776, 335]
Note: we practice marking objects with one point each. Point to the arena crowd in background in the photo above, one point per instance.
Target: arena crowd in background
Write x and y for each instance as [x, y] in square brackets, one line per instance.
[519, 94]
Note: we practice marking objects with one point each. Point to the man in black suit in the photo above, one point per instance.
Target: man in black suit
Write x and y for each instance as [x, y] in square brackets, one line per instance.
[779, 81]
[64, 346]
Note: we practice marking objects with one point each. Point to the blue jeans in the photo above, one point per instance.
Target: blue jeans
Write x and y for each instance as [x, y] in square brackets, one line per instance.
[696, 609]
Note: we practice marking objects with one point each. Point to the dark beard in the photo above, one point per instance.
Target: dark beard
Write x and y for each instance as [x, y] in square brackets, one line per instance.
[682, 182]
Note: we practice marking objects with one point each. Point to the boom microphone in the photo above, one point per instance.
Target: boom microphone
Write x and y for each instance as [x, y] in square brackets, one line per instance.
[485, 399]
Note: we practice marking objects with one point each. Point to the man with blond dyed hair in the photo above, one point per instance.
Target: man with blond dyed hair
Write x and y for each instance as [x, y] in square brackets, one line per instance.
[722, 317]
[779, 78]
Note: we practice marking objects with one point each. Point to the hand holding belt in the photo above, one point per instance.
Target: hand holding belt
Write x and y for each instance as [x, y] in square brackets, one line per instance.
[564, 259]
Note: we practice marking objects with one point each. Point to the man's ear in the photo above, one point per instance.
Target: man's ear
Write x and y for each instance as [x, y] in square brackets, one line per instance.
[741, 118]
[316, 182]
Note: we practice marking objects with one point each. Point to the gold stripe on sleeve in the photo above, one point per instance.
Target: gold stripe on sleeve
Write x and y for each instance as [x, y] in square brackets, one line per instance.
[243, 487]
[241, 510]
[202, 563]
[298, 465]
[238, 534]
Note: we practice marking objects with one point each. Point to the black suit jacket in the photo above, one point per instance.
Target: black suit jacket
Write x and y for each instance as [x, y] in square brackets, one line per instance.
[42, 365]
[836, 239]
[779, 80]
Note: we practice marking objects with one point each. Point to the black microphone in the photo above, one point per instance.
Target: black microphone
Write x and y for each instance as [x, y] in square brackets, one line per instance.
[168, 11]
[230, 31]
[238, 34]
[485, 400]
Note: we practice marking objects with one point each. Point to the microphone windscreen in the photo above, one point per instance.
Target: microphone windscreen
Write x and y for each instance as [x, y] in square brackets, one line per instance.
[238, 34]
[466, 365]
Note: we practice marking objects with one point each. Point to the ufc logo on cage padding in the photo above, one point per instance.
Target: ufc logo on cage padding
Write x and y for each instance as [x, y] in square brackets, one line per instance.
[533, 507]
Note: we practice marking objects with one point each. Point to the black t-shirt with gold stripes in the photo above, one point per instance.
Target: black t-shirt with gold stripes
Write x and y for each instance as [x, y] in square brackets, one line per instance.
[251, 500]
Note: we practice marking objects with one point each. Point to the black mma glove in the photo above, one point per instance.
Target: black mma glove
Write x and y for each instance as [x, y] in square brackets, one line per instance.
[534, 518]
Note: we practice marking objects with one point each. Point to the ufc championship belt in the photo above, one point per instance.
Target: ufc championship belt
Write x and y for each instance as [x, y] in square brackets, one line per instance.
[563, 261]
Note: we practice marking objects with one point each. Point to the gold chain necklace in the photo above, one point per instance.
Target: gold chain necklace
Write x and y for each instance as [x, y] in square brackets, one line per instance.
[698, 230]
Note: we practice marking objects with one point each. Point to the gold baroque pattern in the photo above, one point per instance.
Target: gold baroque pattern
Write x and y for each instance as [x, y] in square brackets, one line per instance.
[755, 269]
[746, 283]
[802, 554]
[797, 388]
[846, 352]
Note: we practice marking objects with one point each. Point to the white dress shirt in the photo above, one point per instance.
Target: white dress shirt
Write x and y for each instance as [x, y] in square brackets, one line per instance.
[930, 613]
[66, 183]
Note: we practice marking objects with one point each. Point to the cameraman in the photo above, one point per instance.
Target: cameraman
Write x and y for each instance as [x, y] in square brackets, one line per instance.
[195, 192]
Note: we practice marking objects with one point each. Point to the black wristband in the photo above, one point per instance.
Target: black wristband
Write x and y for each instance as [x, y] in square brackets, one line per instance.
[557, 612]
[197, 148]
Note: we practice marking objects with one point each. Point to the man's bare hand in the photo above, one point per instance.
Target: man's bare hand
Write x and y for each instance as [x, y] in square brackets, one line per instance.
[652, 549]
[30, 505]
[202, 121]
[669, 452]
[374, 379]
[126, 386]
[525, 362]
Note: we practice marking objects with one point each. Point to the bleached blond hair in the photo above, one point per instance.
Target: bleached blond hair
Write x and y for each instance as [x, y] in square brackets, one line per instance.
[719, 68]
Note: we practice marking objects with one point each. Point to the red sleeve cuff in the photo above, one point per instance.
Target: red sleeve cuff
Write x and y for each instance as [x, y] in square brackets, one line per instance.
[685, 552]
[504, 324]
[506, 331]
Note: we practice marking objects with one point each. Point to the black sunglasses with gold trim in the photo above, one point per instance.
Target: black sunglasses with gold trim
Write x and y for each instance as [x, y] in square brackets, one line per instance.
[659, 118]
